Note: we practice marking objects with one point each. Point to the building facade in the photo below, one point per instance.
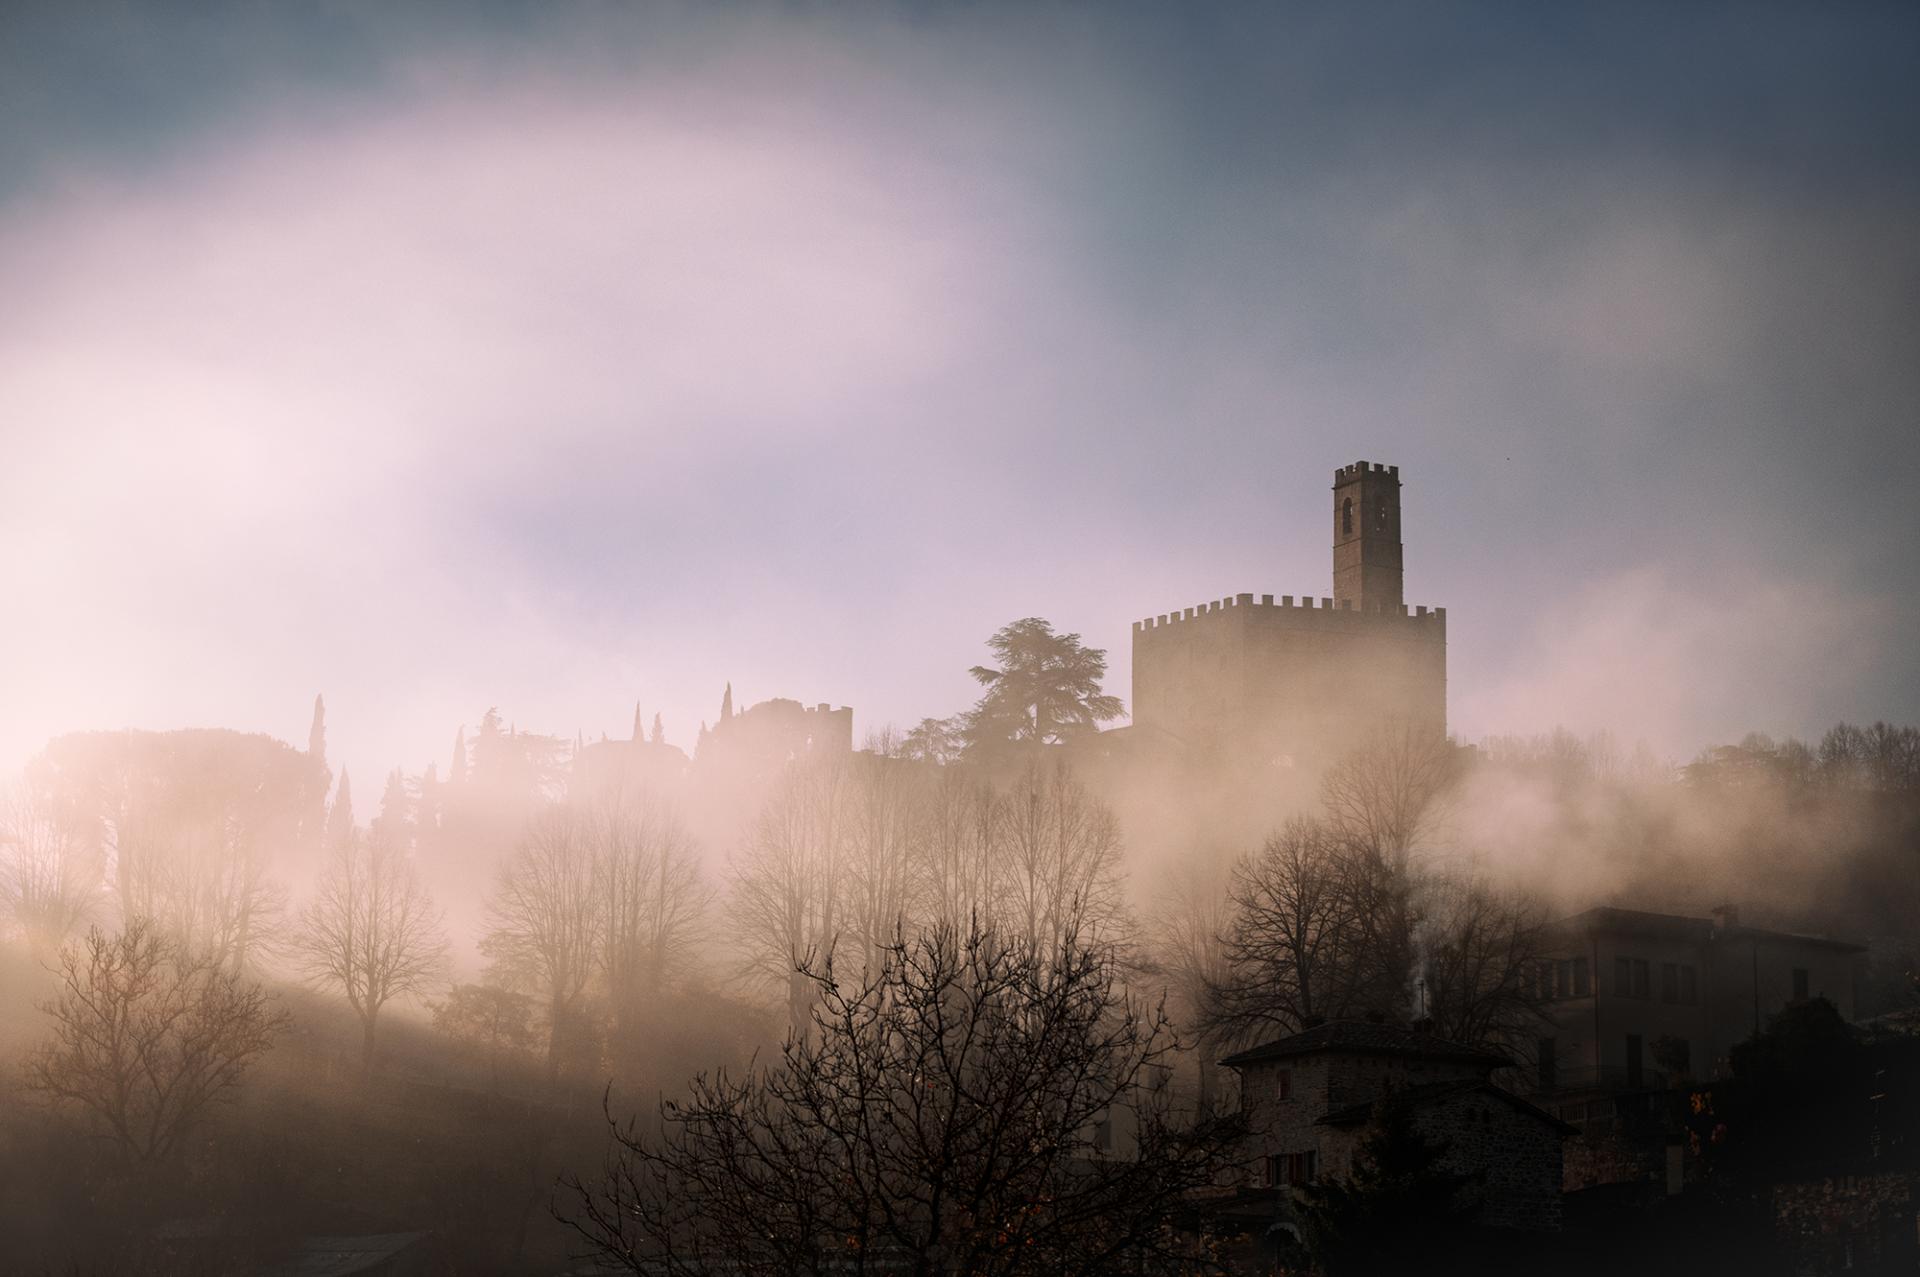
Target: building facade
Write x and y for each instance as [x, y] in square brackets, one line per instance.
[1294, 678]
[1307, 1100]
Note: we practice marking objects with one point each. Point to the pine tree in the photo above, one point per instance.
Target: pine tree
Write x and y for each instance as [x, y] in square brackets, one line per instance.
[457, 769]
[340, 815]
[1400, 1211]
[726, 703]
[659, 732]
[317, 734]
[638, 721]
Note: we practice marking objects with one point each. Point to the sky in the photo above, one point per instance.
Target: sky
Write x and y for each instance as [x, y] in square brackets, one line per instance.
[561, 358]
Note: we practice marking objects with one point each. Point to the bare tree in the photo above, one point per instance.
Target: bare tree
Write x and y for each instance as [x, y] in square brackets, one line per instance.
[885, 829]
[1389, 793]
[495, 1021]
[147, 1034]
[1479, 945]
[371, 932]
[50, 870]
[790, 880]
[939, 1118]
[959, 874]
[1311, 935]
[1057, 849]
[544, 915]
[1187, 932]
[651, 898]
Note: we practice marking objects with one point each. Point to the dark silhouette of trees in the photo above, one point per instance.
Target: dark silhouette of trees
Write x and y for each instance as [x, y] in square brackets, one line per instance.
[935, 740]
[1305, 942]
[188, 824]
[1057, 854]
[1045, 690]
[51, 872]
[939, 1117]
[1390, 792]
[371, 931]
[147, 1033]
[789, 884]
[651, 899]
[1400, 1211]
[544, 915]
[1478, 946]
[494, 1021]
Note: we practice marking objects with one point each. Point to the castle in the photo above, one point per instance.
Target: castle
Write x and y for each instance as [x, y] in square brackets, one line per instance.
[1289, 680]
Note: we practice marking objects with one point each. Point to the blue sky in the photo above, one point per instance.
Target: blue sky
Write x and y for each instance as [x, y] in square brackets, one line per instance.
[439, 356]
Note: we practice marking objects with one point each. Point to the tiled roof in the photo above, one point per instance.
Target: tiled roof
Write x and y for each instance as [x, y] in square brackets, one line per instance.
[1354, 1114]
[1607, 919]
[1363, 1037]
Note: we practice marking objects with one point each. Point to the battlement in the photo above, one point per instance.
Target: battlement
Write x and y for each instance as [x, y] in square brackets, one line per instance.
[1305, 613]
[1346, 474]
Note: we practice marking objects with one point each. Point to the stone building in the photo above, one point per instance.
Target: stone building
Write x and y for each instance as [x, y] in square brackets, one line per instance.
[1248, 676]
[1307, 1100]
[1642, 1003]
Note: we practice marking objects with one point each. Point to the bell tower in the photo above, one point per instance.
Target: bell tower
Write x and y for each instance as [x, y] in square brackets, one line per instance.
[1367, 573]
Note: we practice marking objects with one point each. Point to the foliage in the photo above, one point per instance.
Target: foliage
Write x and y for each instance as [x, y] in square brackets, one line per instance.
[188, 821]
[147, 1033]
[1400, 1211]
[939, 1117]
[1045, 690]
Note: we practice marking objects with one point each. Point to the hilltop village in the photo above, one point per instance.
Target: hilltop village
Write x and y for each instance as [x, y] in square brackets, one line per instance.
[1529, 985]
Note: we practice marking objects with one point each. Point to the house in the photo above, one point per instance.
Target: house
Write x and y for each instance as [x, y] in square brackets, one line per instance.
[1644, 1000]
[1639, 1004]
[1307, 1100]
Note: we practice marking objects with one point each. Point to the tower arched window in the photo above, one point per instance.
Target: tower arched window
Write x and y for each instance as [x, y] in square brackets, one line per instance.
[1346, 517]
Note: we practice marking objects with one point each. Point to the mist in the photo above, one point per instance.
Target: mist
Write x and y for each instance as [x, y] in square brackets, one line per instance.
[456, 460]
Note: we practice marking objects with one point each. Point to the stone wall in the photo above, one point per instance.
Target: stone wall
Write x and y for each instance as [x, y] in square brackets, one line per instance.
[1514, 1157]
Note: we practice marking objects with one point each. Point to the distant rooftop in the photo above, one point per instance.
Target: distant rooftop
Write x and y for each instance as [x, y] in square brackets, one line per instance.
[1363, 1037]
[1673, 926]
[1355, 1114]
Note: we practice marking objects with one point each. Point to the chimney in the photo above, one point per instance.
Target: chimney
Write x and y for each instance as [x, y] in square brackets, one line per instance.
[1725, 918]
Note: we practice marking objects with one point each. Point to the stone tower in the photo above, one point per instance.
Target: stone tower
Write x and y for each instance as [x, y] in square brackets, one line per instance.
[1302, 679]
[1367, 574]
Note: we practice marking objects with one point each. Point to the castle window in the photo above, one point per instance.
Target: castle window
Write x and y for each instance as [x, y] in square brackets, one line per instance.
[1283, 1085]
[1346, 517]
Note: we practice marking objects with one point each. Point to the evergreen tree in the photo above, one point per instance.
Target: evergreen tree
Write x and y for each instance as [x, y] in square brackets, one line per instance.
[726, 703]
[340, 815]
[638, 735]
[457, 769]
[1400, 1211]
[317, 734]
[659, 732]
[1046, 689]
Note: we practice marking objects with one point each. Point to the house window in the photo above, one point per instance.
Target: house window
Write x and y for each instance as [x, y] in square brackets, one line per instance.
[1642, 985]
[1689, 986]
[1563, 978]
[1670, 982]
[1283, 1085]
[1799, 984]
[1549, 1069]
[1623, 977]
[1302, 1167]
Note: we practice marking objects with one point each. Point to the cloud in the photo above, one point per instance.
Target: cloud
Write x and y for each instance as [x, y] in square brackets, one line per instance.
[1679, 660]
